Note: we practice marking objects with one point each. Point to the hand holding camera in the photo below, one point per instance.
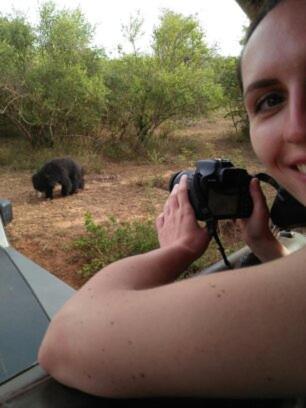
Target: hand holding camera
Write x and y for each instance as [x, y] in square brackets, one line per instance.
[217, 190]
[177, 226]
[256, 231]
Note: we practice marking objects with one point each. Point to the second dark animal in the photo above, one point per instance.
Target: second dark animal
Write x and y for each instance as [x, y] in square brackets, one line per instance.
[63, 171]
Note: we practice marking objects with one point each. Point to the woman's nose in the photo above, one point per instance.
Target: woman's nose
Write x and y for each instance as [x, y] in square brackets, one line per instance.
[295, 125]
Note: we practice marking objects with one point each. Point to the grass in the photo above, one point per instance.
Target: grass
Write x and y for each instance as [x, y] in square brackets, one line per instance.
[181, 143]
[18, 154]
[156, 181]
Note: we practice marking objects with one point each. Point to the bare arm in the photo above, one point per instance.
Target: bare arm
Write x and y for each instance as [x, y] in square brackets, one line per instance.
[236, 333]
[133, 331]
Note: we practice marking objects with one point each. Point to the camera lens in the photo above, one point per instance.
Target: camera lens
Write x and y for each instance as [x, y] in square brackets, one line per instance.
[176, 177]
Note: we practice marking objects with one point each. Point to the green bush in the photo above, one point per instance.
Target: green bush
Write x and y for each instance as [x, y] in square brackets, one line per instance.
[176, 80]
[143, 94]
[113, 240]
[51, 77]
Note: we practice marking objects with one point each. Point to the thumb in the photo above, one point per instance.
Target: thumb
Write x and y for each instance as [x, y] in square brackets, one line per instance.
[258, 197]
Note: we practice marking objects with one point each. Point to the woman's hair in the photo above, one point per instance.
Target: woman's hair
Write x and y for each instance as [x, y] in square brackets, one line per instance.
[268, 5]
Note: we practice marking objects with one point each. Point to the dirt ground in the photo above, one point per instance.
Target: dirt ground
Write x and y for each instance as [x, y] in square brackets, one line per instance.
[43, 230]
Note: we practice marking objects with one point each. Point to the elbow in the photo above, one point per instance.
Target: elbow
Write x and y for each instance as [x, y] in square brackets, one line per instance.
[55, 352]
[85, 350]
[68, 360]
[47, 354]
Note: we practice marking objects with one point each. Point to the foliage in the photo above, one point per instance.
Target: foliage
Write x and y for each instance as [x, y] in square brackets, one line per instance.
[52, 84]
[143, 95]
[114, 240]
[180, 40]
[16, 53]
[226, 71]
[70, 92]
[177, 80]
[56, 85]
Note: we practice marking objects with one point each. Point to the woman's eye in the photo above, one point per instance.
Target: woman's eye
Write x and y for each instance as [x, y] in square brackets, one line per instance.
[268, 102]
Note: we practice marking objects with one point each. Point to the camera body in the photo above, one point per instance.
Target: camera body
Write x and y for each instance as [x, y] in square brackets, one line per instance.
[217, 190]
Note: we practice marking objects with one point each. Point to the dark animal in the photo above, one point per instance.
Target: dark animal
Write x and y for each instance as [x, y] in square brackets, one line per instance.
[63, 171]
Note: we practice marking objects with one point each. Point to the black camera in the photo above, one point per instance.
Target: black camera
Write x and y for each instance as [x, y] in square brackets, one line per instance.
[217, 190]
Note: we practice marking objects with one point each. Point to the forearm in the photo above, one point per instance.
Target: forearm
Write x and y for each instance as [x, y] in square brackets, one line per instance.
[269, 250]
[154, 268]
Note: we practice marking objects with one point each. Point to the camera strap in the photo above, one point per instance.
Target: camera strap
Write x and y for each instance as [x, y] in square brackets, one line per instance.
[211, 225]
[286, 211]
[268, 179]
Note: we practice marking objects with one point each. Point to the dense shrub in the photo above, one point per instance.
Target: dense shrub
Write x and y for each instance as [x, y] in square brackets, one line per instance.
[113, 240]
[51, 83]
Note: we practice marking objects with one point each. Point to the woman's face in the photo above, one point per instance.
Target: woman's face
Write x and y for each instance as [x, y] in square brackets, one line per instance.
[274, 82]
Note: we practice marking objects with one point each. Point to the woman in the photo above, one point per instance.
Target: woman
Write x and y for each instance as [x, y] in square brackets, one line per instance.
[134, 331]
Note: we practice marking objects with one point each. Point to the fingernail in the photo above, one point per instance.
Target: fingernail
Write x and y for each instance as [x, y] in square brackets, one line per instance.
[254, 183]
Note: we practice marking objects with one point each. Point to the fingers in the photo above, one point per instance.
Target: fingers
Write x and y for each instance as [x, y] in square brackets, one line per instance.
[258, 197]
[172, 202]
[240, 222]
[182, 192]
[160, 221]
[177, 198]
[255, 189]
